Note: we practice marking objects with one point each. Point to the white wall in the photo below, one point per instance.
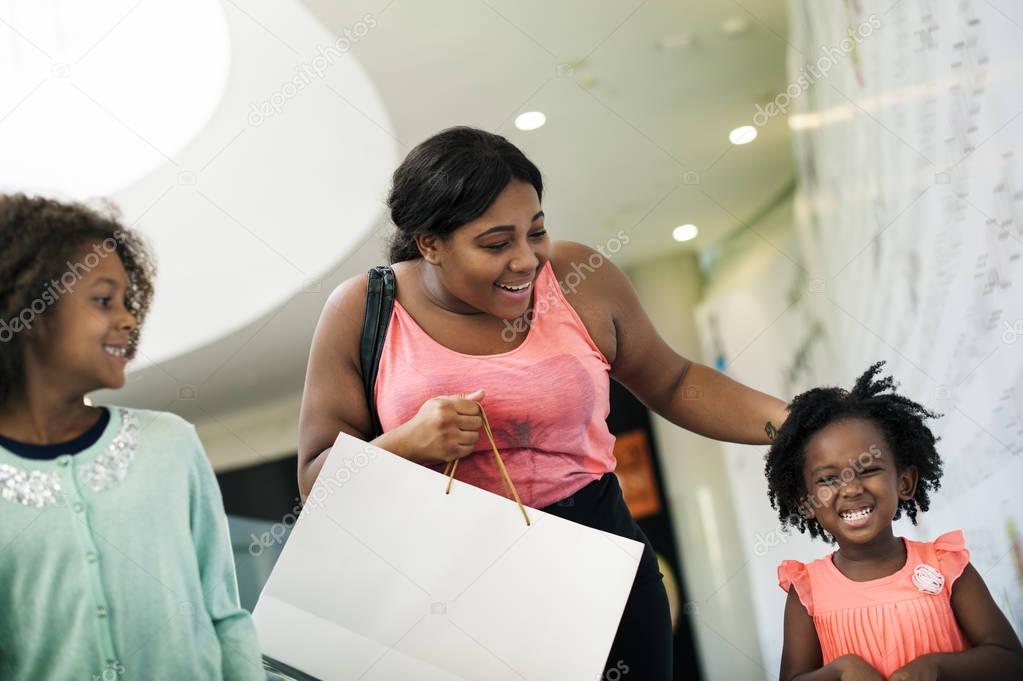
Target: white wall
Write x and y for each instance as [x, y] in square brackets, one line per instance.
[698, 493]
[903, 255]
[756, 321]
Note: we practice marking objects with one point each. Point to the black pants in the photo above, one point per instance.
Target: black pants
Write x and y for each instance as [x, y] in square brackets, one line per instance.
[642, 647]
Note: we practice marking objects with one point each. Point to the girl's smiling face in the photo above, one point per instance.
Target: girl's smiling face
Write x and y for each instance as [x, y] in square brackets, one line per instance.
[853, 483]
[85, 340]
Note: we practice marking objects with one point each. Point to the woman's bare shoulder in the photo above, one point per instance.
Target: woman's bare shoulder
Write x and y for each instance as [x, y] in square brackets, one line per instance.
[582, 273]
[581, 268]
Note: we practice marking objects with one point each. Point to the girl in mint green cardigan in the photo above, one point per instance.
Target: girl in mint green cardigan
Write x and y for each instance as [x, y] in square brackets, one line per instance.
[115, 562]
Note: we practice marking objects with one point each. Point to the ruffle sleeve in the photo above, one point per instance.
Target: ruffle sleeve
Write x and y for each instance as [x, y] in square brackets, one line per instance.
[953, 556]
[793, 573]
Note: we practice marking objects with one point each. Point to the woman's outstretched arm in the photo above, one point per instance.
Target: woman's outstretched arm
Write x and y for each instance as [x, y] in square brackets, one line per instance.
[688, 394]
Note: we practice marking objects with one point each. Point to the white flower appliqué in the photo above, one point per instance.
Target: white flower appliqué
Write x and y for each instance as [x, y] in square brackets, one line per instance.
[928, 580]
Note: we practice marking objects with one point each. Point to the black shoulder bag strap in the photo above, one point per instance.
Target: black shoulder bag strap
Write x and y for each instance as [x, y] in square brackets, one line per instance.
[379, 304]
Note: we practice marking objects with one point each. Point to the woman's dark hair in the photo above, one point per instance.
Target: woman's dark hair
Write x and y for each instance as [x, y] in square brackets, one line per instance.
[899, 419]
[449, 180]
[40, 239]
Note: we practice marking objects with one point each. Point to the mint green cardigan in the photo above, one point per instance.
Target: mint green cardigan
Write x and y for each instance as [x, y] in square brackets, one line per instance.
[115, 563]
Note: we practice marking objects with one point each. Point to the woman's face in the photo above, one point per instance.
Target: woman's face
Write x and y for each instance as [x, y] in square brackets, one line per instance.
[490, 264]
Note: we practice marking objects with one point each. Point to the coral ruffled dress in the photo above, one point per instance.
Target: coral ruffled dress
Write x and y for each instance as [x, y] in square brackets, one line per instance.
[890, 621]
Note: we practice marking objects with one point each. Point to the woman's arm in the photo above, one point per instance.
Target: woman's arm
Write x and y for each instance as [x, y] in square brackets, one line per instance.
[334, 398]
[712, 404]
[334, 401]
[996, 653]
[686, 393]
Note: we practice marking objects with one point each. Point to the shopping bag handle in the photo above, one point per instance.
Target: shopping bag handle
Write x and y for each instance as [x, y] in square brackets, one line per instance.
[509, 486]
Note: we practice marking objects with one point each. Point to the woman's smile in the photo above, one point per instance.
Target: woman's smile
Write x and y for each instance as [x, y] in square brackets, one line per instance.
[515, 293]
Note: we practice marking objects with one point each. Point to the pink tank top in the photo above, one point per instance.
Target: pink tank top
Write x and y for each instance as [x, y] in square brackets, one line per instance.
[890, 621]
[546, 400]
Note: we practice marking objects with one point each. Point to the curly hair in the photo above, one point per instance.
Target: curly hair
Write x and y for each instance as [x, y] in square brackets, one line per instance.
[40, 238]
[900, 420]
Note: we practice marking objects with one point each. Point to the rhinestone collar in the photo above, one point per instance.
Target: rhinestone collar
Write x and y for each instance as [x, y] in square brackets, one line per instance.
[29, 488]
[111, 466]
[39, 488]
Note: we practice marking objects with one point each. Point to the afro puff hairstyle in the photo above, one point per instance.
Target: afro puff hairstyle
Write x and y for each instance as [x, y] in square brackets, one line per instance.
[899, 419]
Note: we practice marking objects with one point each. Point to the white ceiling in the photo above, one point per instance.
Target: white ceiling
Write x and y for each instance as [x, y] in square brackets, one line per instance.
[626, 120]
[236, 198]
[70, 126]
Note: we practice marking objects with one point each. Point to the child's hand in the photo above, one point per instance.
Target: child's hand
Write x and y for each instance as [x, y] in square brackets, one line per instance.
[921, 669]
[855, 668]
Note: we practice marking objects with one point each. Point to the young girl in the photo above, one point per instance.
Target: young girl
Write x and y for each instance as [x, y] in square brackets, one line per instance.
[843, 467]
[114, 555]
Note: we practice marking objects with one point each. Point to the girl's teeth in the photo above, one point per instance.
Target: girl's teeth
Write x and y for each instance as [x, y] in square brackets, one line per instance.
[857, 515]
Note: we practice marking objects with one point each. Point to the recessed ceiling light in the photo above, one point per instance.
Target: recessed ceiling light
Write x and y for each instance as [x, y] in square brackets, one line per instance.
[743, 135]
[685, 233]
[531, 120]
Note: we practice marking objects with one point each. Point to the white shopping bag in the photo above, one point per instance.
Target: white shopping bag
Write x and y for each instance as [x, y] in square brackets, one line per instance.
[385, 577]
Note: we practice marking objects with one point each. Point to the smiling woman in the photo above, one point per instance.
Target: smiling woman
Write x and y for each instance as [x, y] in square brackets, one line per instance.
[472, 258]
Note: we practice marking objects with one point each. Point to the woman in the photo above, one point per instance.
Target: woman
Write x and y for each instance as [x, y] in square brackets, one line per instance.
[480, 317]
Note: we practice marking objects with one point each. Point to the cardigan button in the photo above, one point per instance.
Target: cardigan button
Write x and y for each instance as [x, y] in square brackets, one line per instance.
[101, 612]
[77, 506]
[63, 461]
[91, 556]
